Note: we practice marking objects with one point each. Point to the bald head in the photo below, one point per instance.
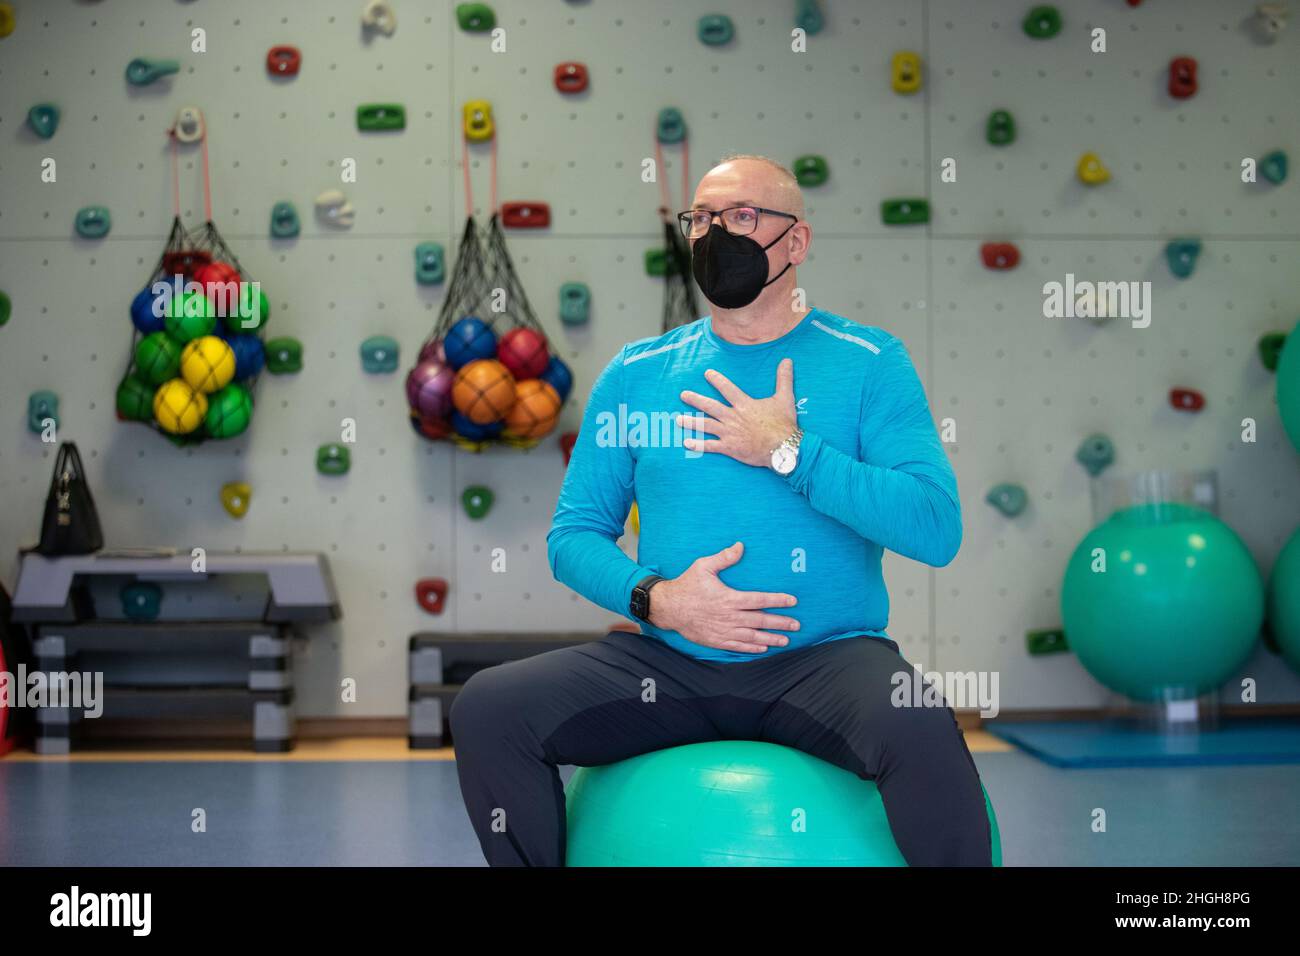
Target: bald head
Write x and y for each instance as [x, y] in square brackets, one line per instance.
[750, 180]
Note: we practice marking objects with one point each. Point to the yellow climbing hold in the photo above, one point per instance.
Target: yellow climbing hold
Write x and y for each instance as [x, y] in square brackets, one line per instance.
[235, 496]
[7, 19]
[1092, 171]
[906, 72]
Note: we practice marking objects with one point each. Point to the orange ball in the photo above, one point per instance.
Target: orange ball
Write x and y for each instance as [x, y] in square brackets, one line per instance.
[484, 391]
[536, 409]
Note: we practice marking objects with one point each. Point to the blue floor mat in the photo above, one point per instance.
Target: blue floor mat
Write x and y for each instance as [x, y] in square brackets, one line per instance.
[1101, 743]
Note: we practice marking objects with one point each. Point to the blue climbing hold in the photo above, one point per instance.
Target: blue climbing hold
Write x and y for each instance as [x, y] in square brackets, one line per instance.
[42, 406]
[379, 354]
[93, 222]
[1008, 499]
[430, 263]
[43, 118]
[1182, 254]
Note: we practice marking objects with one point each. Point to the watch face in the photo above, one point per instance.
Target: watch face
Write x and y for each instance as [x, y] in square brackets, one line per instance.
[640, 602]
[784, 460]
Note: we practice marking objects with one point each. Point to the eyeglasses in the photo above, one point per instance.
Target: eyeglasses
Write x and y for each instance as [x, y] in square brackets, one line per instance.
[737, 220]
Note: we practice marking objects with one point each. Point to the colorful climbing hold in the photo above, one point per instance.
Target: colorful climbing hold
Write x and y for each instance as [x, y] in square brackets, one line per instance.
[1181, 254]
[575, 303]
[1000, 130]
[477, 501]
[808, 16]
[1046, 641]
[1096, 453]
[236, 496]
[334, 208]
[6, 307]
[1182, 77]
[93, 222]
[378, 15]
[42, 406]
[905, 72]
[189, 125]
[431, 594]
[7, 19]
[1091, 170]
[902, 212]
[1273, 167]
[141, 600]
[381, 117]
[333, 459]
[475, 17]
[571, 77]
[658, 262]
[283, 355]
[1042, 23]
[1270, 20]
[670, 125]
[1008, 498]
[715, 29]
[284, 221]
[430, 264]
[142, 71]
[811, 170]
[1000, 256]
[477, 115]
[567, 441]
[283, 60]
[379, 354]
[1186, 399]
[1270, 348]
[525, 215]
[43, 118]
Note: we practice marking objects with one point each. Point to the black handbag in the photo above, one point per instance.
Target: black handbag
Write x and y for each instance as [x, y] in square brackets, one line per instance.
[71, 524]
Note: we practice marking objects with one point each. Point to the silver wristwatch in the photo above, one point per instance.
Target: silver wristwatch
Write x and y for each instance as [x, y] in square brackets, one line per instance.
[785, 456]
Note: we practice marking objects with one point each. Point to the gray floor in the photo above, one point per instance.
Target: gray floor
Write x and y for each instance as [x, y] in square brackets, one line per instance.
[333, 814]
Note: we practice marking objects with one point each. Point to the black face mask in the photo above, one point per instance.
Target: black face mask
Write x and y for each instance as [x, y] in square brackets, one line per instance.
[732, 270]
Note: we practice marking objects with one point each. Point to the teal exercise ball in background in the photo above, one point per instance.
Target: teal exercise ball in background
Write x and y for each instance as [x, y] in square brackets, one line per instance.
[1177, 610]
[1288, 386]
[730, 803]
[1284, 601]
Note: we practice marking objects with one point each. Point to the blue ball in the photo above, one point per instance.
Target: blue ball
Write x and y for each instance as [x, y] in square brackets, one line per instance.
[465, 428]
[558, 376]
[250, 354]
[142, 315]
[468, 340]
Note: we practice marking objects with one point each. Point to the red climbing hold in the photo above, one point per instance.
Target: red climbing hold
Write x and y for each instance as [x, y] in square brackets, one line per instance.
[1000, 255]
[567, 441]
[1186, 399]
[283, 60]
[525, 215]
[431, 593]
[1182, 77]
[570, 77]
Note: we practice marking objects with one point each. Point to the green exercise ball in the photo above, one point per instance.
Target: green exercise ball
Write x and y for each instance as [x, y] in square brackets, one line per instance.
[1284, 601]
[730, 803]
[1176, 610]
[1288, 386]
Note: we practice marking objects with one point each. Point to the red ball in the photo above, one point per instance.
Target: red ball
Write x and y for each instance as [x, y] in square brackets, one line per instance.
[523, 351]
[218, 272]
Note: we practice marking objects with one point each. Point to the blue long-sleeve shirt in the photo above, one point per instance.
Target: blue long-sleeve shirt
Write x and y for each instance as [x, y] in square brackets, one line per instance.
[872, 475]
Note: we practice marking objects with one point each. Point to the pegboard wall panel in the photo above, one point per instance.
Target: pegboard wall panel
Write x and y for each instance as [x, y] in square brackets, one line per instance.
[1023, 390]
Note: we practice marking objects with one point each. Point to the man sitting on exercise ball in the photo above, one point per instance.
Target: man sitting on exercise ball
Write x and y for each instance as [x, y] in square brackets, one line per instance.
[809, 449]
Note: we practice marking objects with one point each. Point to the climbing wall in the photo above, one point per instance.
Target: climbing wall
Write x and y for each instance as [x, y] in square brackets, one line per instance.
[1022, 390]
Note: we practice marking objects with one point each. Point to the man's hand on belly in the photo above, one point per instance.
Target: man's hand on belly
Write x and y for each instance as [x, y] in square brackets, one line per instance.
[749, 428]
[699, 607]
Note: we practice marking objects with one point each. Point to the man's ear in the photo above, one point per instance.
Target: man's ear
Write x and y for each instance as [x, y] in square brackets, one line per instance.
[802, 240]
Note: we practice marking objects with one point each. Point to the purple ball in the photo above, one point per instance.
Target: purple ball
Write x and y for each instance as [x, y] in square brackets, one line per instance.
[433, 351]
[428, 388]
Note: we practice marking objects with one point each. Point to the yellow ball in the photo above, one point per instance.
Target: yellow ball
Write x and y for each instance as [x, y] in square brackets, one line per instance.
[178, 408]
[207, 364]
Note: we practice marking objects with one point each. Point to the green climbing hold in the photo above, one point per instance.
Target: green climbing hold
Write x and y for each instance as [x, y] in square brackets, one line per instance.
[475, 17]
[41, 406]
[1046, 641]
[142, 71]
[715, 29]
[283, 355]
[372, 117]
[811, 170]
[1095, 453]
[284, 221]
[1273, 167]
[43, 118]
[477, 501]
[6, 307]
[141, 600]
[658, 262]
[379, 354]
[1001, 128]
[1043, 23]
[575, 303]
[671, 125]
[1270, 349]
[1008, 499]
[93, 222]
[135, 399]
[430, 264]
[808, 16]
[903, 212]
[333, 459]
[1181, 255]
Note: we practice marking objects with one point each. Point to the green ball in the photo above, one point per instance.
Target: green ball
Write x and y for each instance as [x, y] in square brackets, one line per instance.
[1288, 386]
[229, 411]
[189, 317]
[157, 358]
[1284, 602]
[730, 803]
[135, 399]
[1177, 609]
[252, 312]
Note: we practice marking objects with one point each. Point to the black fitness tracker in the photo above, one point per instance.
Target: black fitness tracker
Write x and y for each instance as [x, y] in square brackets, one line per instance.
[639, 605]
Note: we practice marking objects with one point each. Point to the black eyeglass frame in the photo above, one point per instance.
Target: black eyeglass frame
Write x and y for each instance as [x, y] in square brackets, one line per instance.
[684, 218]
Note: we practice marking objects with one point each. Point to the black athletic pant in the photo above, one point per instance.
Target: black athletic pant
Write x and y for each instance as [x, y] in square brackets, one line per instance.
[626, 694]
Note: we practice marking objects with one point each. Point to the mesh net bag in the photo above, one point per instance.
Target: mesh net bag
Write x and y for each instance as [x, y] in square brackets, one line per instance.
[486, 374]
[679, 286]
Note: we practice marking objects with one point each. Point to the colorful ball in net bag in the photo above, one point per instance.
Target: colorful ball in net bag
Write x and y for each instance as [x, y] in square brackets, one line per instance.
[250, 355]
[428, 388]
[208, 364]
[218, 279]
[559, 377]
[467, 341]
[433, 428]
[135, 399]
[178, 408]
[189, 316]
[523, 352]
[229, 412]
[157, 357]
[432, 351]
[250, 312]
[149, 311]
[483, 391]
[473, 431]
[536, 409]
